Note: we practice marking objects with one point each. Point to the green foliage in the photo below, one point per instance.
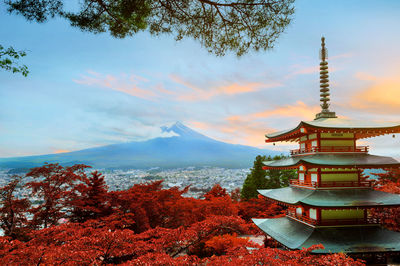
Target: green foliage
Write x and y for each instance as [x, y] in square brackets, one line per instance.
[220, 26]
[9, 58]
[261, 179]
[278, 178]
[255, 180]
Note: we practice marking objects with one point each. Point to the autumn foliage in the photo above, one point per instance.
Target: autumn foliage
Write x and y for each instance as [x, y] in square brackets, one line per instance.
[71, 218]
[388, 181]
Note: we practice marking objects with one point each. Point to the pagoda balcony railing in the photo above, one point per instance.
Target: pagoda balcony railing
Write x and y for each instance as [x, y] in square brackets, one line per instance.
[306, 219]
[326, 184]
[361, 149]
[331, 222]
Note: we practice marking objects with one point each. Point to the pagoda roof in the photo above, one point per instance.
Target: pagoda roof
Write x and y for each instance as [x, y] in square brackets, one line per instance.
[332, 197]
[362, 128]
[351, 239]
[360, 160]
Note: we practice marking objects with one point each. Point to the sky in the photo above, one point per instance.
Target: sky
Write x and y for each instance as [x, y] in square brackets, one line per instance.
[86, 90]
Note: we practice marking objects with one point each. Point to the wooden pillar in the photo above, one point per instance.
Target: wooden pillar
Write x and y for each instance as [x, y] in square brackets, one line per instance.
[319, 175]
[318, 215]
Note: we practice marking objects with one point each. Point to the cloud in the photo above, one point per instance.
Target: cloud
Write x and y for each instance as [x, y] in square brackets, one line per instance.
[61, 151]
[128, 84]
[149, 89]
[299, 110]
[234, 130]
[365, 77]
[381, 95]
[305, 70]
[339, 56]
[300, 69]
[197, 93]
[250, 129]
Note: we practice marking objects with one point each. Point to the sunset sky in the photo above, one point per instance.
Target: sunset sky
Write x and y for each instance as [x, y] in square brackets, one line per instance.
[88, 90]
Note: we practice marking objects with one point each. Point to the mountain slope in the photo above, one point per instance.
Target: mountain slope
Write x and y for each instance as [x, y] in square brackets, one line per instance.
[187, 148]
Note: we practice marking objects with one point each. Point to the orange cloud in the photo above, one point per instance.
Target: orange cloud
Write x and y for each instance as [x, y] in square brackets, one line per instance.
[250, 129]
[365, 76]
[125, 84]
[344, 55]
[197, 93]
[306, 70]
[300, 110]
[237, 131]
[199, 125]
[130, 84]
[382, 95]
[302, 70]
[61, 151]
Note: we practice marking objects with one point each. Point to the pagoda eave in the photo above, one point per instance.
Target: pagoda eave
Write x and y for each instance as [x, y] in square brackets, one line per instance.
[332, 198]
[354, 160]
[357, 239]
[334, 125]
[386, 166]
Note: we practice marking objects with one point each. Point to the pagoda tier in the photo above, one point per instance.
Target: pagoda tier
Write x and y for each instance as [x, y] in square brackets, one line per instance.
[365, 161]
[352, 198]
[332, 170]
[348, 239]
[337, 126]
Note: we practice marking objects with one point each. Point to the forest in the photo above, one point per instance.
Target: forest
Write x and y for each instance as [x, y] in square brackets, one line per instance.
[71, 218]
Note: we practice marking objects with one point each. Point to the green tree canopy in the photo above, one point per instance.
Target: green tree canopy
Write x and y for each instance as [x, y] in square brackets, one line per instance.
[219, 25]
[278, 178]
[262, 179]
[8, 60]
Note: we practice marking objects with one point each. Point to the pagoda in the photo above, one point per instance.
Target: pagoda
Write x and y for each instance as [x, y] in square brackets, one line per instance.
[329, 200]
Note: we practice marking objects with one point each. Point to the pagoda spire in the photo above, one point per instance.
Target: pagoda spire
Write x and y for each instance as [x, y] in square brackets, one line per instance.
[323, 55]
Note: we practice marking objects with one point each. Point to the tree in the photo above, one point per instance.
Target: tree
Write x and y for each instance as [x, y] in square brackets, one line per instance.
[388, 181]
[13, 210]
[261, 179]
[89, 199]
[8, 60]
[219, 25]
[53, 184]
[255, 180]
[168, 229]
[216, 192]
[278, 178]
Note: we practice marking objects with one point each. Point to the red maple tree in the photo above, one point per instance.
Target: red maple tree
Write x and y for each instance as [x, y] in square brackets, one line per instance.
[143, 225]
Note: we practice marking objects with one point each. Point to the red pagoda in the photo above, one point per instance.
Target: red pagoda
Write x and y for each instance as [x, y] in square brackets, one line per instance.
[329, 200]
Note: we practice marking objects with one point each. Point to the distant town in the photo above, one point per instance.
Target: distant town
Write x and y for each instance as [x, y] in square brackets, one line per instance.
[200, 179]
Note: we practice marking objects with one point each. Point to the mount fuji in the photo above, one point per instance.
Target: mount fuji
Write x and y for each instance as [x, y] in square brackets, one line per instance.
[185, 148]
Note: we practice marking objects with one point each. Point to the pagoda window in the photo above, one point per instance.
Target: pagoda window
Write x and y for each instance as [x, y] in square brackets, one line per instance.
[314, 143]
[302, 146]
[313, 214]
[301, 177]
[299, 211]
[312, 136]
[314, 177]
